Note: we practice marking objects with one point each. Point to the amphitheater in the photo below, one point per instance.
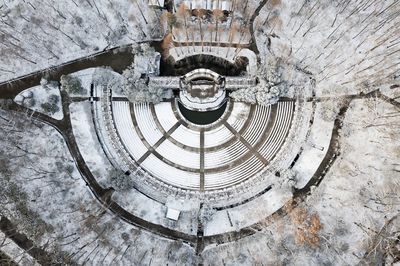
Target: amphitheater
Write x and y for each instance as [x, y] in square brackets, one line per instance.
[203, 149]
[205, 160]
[200, 132]
[202, 146]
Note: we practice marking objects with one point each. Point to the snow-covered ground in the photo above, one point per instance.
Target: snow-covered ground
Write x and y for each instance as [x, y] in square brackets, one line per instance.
[41, 34]
[44, 98]
[89, 146]
[392, 92]
[247, 214]
[315, 148]
[61, 214]
[14, 252]
[349, 47]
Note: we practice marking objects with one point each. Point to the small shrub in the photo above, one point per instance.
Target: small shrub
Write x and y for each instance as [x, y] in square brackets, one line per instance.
[50, 108]
[54, 99]
[71, 84]
[307, 227]
[119, 180]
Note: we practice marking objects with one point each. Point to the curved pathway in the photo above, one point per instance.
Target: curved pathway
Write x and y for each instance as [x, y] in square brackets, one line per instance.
[253, 44]
[118, 58]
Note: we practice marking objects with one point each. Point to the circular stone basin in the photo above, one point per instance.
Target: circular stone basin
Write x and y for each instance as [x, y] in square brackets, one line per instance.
[202, 118]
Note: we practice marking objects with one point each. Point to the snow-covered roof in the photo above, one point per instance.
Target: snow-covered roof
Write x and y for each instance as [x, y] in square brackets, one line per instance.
[156, 3]
[173, 214]
[208, 4]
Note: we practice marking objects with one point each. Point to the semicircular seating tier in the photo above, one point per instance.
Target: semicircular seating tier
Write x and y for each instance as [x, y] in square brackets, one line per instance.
[238, 147]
